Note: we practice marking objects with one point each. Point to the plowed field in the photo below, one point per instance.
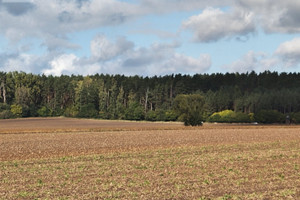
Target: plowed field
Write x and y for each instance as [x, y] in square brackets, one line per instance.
[60, 158]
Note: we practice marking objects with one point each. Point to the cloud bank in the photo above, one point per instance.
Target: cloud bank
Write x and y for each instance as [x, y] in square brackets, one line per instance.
[50, 24]
[213, 24]
[123, 56]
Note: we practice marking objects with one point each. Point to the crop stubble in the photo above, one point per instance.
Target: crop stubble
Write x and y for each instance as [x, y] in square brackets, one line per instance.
[162, 161]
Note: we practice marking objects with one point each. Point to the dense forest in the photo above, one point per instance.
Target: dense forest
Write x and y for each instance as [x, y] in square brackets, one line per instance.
[257, 96]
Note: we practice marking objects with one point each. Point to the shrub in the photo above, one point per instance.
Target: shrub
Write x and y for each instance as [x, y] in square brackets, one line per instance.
[215, 117]
[151, 115]
[161, 115]
[134, 112]
[103, 115]
[88, 111]
[251, 116]
[6, 114]
[170, 115]
[16, 110]
[4, 106]
[32, 111]
[70, 111]
[229, 116]
[240, 117]
[269, 117]
[193, 119]
[295, 117]
[43, 111]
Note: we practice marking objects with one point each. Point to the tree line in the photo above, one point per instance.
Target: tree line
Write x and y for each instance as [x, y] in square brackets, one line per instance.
[147, 98]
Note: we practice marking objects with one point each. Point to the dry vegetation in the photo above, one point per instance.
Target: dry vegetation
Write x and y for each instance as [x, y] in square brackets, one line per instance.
[62, 158]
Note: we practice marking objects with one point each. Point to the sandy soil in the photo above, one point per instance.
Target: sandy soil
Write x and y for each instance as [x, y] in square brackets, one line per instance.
[39, 138]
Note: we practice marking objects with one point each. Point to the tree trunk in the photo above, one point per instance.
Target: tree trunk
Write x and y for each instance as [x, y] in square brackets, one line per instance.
[3, 92]
[4, 95]
[146, 100]
[171, 95]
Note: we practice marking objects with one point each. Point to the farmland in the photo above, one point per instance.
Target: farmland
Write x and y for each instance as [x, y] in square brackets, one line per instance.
[61, 158]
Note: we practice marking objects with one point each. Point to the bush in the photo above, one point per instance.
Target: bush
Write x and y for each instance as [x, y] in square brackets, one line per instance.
[4, 106]
[269, 117]
[251, 116]
[103, 115]
[151, 116]
[295, 117]
[32, 111]
[16, 110]
[170, 115]
[240, 117]
[193, 119]
[43, 112]
[161, 115]
[70, 111]
[215, 117]
[88, 111]
[6, 114]
[134, 112]
[229, 116]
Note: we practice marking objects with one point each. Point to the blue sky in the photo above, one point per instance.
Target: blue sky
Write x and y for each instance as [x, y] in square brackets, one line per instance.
[149, 37]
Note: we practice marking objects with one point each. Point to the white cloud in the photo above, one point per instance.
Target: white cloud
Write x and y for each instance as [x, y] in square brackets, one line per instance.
[274, 15]
[253, 61]
[290, 52]
[55, 19]
[245, 17]
[286, 57]
[180, 63]
[18, 62]
[124, 58]
[290, 48]
[46, 19]
[214, 24]
[51, 22]
[62, 64]
[161, 59]
[166, 6]
[103, 49]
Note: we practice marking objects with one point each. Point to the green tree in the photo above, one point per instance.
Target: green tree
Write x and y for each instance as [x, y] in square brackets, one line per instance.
[190, 109]
[103, 99]
[86, 98]
[120, 104]
[134, 110]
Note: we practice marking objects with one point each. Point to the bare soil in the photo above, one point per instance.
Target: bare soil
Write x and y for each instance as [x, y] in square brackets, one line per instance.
[71, 124]
[60, 158]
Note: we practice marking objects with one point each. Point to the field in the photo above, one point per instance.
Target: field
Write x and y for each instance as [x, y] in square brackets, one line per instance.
[61, 158]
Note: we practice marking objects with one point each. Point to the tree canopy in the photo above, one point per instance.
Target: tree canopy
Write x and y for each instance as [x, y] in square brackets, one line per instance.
[148, 98]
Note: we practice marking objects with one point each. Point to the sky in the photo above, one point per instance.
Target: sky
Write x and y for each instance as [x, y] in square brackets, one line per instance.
[149, 37]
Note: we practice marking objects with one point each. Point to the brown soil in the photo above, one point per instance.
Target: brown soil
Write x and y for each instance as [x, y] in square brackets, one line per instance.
[71, 124]
[60, 158]
[40, 138]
